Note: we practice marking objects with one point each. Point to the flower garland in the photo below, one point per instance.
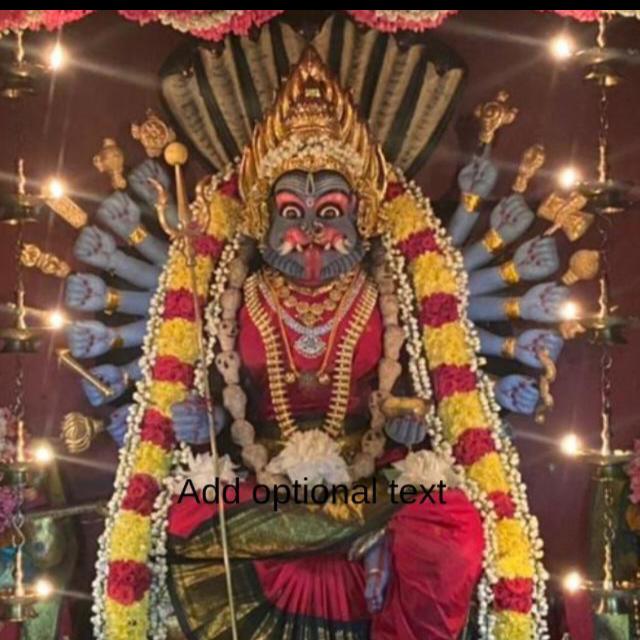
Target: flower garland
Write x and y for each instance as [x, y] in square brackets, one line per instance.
[216, 24]
[465, 423]
[129, 590]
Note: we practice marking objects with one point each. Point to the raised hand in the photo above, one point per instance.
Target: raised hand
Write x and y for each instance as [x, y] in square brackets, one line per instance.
[191, 423]
[85, 292]
[122, 215]
[479, 176]
[97, 248]
[119, 213]
[543, 303]
[140, 182]
[406, 430]
[139, 177]
[114, 377]
[536, 259]
[477, 179]
[517, 393]
[529, 343]
[90, 338]
[511, 217]
[117, 427]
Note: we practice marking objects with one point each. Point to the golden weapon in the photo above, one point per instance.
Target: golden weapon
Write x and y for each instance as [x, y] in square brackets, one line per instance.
[532, 159]
[65, 358]
[493, 115]
[48, 263]
[583, 265]
[78, 431]
[153, 134]
[566, 214]
[110, 160]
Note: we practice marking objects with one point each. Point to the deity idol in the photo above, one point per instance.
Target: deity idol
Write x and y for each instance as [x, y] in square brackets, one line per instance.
[333, 324]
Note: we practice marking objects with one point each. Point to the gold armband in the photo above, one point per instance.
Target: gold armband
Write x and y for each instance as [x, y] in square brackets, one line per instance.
[118, 342]
[112, 302]
[492, 241]
[471, 202]
[512, 308]
[509, 272]
[509, 348]
[138, 236]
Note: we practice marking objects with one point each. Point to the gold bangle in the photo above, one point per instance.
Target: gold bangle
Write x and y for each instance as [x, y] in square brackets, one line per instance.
[509, 348]
[512, 308]
[492, 241]
[509, 272]
[118, 342]
[471, 202]
[138, 236]
[112, 302]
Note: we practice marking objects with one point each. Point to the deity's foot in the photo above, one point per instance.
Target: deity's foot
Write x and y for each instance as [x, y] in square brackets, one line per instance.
[377, 567]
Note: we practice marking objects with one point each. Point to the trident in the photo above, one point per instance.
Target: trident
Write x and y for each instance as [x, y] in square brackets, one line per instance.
[175, 155]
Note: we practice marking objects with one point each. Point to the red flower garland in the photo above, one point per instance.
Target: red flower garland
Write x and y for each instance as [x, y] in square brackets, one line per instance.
[515, 594]
[128, 581]
[473, 445]
[439, 309]
[450, 379]
[418, 243]
[157, 429]
[170, 369]
[503, 504]
[141, 494]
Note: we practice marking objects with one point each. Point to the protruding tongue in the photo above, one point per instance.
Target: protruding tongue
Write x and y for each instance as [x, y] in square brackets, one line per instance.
[312, 263]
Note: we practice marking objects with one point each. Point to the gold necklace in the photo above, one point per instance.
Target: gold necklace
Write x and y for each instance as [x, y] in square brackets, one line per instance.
[309, 312]
[347, 300]
[341, 386]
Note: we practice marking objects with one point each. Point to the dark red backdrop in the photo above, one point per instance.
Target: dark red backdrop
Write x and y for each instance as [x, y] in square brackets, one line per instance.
[113, 80]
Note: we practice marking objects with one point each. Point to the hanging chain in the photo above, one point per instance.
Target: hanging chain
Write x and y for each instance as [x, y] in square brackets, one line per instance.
[603, 132]
[608, 532]
[18, 406]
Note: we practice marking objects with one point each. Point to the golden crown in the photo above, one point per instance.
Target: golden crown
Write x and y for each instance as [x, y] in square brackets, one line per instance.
[312, 126]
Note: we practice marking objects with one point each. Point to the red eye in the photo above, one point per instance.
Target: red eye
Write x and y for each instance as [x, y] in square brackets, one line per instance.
[291, 212]
[329, 211]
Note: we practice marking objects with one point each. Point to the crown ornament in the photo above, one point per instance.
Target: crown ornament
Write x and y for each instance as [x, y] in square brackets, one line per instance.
[312, 126]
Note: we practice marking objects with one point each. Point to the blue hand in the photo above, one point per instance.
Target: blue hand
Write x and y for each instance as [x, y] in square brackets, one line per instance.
[112, 376]
[117, 427]
[479, 176]
[511, 217]
[530, 342]
[543, 303]
[517, 393]
[406, 430]
[85, 292]
[537, 258]
[139, 177]
[191, 423]
[89, 338]
[119, 213]
[96, 247]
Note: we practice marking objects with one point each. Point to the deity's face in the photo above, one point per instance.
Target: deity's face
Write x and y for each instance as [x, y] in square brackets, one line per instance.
[313, 234]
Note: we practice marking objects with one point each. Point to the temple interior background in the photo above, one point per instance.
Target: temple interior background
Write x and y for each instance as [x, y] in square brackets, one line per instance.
[112, 80]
